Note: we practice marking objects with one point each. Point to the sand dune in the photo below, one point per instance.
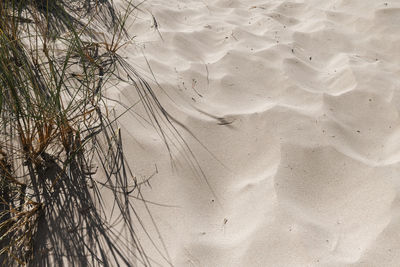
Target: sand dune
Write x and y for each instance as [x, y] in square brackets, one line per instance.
[295, 111]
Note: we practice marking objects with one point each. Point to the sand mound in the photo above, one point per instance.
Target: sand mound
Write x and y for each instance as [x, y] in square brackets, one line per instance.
[295, 107]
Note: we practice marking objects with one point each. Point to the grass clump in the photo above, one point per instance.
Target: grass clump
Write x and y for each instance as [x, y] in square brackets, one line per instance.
[56, 59]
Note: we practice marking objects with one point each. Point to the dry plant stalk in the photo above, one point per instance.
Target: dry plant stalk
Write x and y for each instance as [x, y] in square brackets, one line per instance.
[54, 68]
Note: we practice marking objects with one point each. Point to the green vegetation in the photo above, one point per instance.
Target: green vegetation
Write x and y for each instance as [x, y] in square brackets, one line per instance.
[55, 63]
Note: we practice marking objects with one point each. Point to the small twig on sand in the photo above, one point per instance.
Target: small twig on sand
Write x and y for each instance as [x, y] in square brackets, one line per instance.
[155, 25]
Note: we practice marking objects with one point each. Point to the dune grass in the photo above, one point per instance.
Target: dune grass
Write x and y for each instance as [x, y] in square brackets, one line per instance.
[56, 59]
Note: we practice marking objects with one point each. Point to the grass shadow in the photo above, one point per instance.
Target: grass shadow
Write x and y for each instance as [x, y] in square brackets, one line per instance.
[60, 147]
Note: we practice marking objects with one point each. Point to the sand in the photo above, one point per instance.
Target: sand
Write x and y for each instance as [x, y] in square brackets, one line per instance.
[293, 112]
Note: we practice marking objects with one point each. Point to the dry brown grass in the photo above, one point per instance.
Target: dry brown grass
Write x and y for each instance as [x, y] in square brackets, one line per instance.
[54, 67]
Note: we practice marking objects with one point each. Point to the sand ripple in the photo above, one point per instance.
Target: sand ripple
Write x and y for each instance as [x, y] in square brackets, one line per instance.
[306, 168]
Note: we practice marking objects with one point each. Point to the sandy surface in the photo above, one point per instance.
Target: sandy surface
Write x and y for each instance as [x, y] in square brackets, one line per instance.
[295, 111]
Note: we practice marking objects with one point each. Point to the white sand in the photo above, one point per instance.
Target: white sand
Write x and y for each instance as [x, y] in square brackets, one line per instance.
[306, 173]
